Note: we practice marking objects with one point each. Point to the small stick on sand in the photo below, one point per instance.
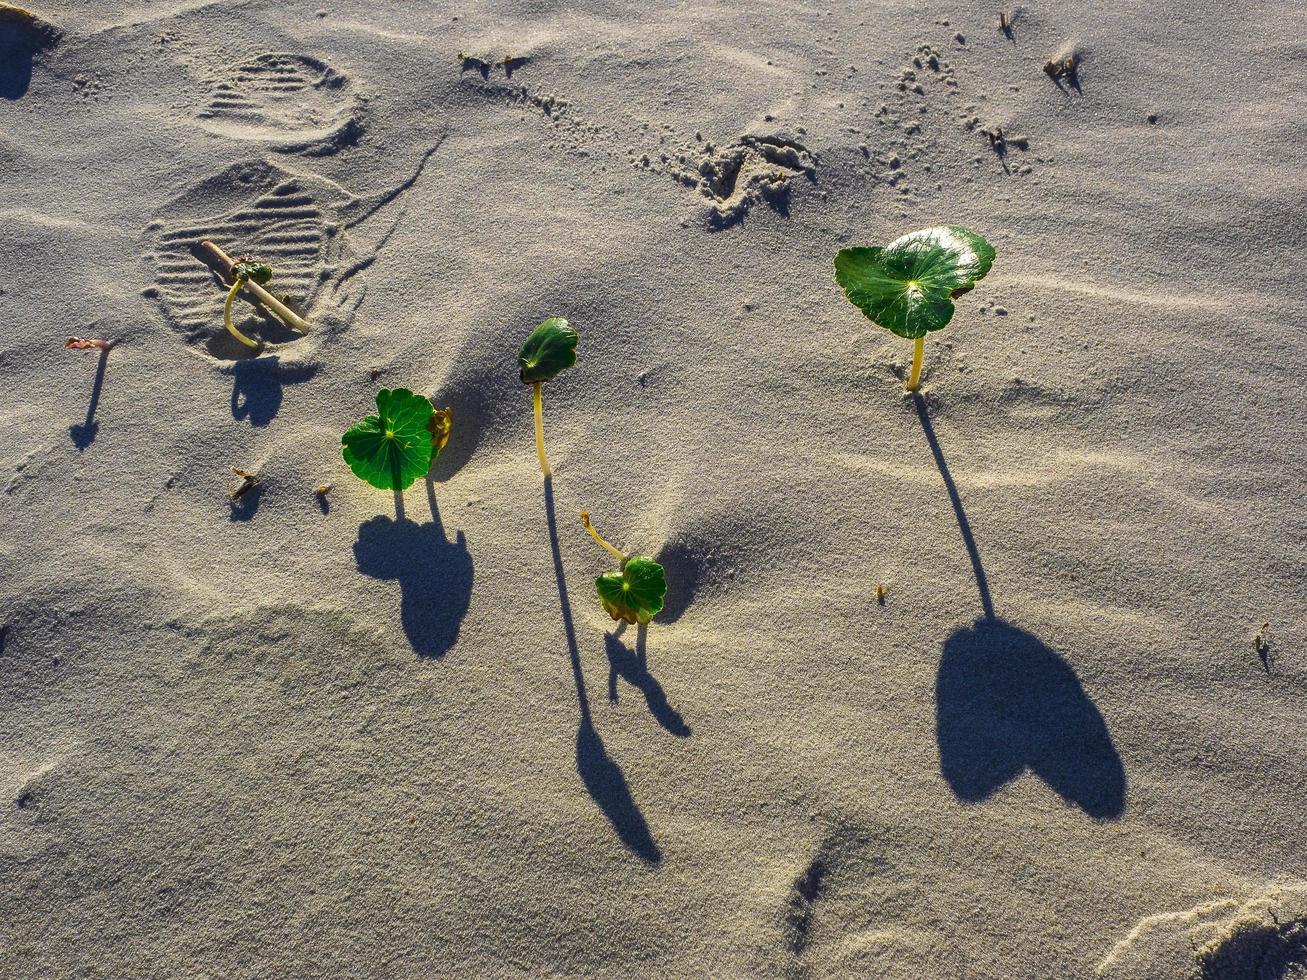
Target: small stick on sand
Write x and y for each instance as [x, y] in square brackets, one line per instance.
[214, 256]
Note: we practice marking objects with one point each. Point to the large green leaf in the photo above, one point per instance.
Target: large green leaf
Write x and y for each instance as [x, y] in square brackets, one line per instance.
[908, 286]
[550, 348]
[394, 447]
[634, 594]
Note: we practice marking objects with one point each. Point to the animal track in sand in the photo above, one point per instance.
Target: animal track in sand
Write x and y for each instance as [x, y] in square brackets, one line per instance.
[299, 223]
[757, 167]
[754, 170]
[1263, 937]
[292, 102]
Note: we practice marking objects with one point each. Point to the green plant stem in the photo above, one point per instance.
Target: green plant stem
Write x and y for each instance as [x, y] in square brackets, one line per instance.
[914, 379]
[617, 553]
[226, 314]
[538, 401]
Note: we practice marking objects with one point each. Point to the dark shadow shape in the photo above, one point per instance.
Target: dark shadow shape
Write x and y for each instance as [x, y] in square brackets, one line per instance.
[20, 44]
[482, 68]
[84, 433]
[257, 388]
[684, 568]
[513, 64]
[434, 575]
[633, 667]
[244, 507]
[4, 636]
[1005, 702]
[474, 399]
[602, 776]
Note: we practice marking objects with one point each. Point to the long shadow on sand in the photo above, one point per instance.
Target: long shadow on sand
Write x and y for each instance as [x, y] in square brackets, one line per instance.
[633, 667]
[84, 433]
[602, 776]
[434, 574]
[1007, 702]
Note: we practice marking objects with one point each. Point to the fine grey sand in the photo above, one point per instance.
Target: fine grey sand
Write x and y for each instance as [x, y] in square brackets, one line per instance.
[285, 738]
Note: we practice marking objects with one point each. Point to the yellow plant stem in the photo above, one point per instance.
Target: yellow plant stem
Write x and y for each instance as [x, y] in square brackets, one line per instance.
[914, 380]
[538, 400]
[226, 313]
[617, 553]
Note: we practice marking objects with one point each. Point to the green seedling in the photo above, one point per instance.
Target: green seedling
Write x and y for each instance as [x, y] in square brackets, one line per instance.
[400, 443]
[244, 271]
[250, 275]
[551, 348]
[635, 592]
[908, 287]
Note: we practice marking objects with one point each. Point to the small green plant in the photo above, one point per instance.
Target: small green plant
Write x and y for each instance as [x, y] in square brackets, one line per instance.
[551, 348]
[251, 275]
[243, 271]
[400, 443]
[908, 287]
[635, 592]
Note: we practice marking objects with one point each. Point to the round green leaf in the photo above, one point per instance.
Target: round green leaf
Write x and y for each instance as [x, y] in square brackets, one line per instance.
[394, 447]
[634, 594]
[550, 348]
[908, 286]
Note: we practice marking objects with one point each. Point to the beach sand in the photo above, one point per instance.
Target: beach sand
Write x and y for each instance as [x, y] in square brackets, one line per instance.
[292, 736]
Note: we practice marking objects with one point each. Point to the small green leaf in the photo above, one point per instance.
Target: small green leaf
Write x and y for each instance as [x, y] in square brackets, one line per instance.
[248, 268]
[394, 447]
[634, 594]
[550, 348]
[908, 286]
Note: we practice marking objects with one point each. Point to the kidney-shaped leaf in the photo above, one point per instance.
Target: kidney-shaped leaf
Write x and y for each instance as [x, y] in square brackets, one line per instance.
[550, 348]
[394, 447]
[634, 594]
[908, 286]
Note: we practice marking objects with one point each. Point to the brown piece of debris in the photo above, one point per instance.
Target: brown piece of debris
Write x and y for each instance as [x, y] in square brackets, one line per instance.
[248, 482]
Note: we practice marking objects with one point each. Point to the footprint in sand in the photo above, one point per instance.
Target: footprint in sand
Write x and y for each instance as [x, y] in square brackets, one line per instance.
[757, 169]
[292, 102]
[313, 232]
[1261, 938]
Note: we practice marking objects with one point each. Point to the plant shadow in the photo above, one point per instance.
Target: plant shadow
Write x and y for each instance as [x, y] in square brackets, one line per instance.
[633, 667]
[602, 777]
[257, 388]
[685, 568]
[434, 574]
[84, 433]
[20, 44]
[1006, 702]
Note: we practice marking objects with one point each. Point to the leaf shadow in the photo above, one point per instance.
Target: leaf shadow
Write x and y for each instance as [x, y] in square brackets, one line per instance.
[603, 778]
[435, 574]
[633, 667]
[1005, 701]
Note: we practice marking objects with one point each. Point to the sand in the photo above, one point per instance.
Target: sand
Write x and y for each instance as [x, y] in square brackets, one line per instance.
[288, 737]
